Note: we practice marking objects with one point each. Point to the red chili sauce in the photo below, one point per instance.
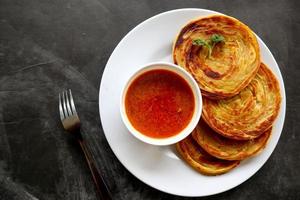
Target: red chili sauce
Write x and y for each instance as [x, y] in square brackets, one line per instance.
[159, 103]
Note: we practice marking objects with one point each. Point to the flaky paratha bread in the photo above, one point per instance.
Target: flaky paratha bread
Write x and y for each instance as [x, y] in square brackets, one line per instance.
[225, 148]
[197, 158]
[248, 114]
[232, 63]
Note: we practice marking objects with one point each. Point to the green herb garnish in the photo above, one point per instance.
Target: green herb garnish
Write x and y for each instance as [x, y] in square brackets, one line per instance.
[210, 44]
[200, 42]
[215, 38]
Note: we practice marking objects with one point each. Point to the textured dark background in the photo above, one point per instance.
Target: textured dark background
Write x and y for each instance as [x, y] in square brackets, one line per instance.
[49, 45]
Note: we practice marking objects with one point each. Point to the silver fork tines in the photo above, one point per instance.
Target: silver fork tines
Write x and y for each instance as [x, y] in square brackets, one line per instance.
[67, 110]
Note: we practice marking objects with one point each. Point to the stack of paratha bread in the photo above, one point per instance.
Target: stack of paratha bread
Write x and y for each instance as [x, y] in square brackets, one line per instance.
[241, 96]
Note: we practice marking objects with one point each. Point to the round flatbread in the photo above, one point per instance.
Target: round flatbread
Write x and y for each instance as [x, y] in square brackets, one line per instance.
[248, 114]
[204, 163]
[229, 65]
[225, 148]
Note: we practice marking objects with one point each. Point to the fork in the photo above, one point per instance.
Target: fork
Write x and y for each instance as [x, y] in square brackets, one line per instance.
[71, 123]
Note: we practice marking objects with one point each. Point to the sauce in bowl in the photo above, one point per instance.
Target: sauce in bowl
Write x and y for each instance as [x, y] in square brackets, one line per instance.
[159, 103]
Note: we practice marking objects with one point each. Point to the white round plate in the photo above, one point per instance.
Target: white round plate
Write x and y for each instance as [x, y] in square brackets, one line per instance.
[161, 167]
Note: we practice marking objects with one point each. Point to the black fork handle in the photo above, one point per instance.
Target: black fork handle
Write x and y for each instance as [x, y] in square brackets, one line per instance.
[100, 184]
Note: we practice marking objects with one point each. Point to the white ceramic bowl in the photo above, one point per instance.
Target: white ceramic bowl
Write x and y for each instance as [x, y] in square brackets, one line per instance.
[197, 97]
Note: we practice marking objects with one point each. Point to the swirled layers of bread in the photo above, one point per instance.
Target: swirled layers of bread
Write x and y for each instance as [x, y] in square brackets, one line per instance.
[225, 148]
[248, 114]
[197, 158]
[231, 65]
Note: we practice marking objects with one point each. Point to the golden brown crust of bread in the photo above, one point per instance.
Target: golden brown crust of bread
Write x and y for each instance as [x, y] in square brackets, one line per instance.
[248, 114]
[228, 149]
[232, 64]
[201, 161]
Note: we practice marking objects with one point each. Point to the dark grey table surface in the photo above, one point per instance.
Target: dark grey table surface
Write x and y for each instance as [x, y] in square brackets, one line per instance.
[46, 46]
